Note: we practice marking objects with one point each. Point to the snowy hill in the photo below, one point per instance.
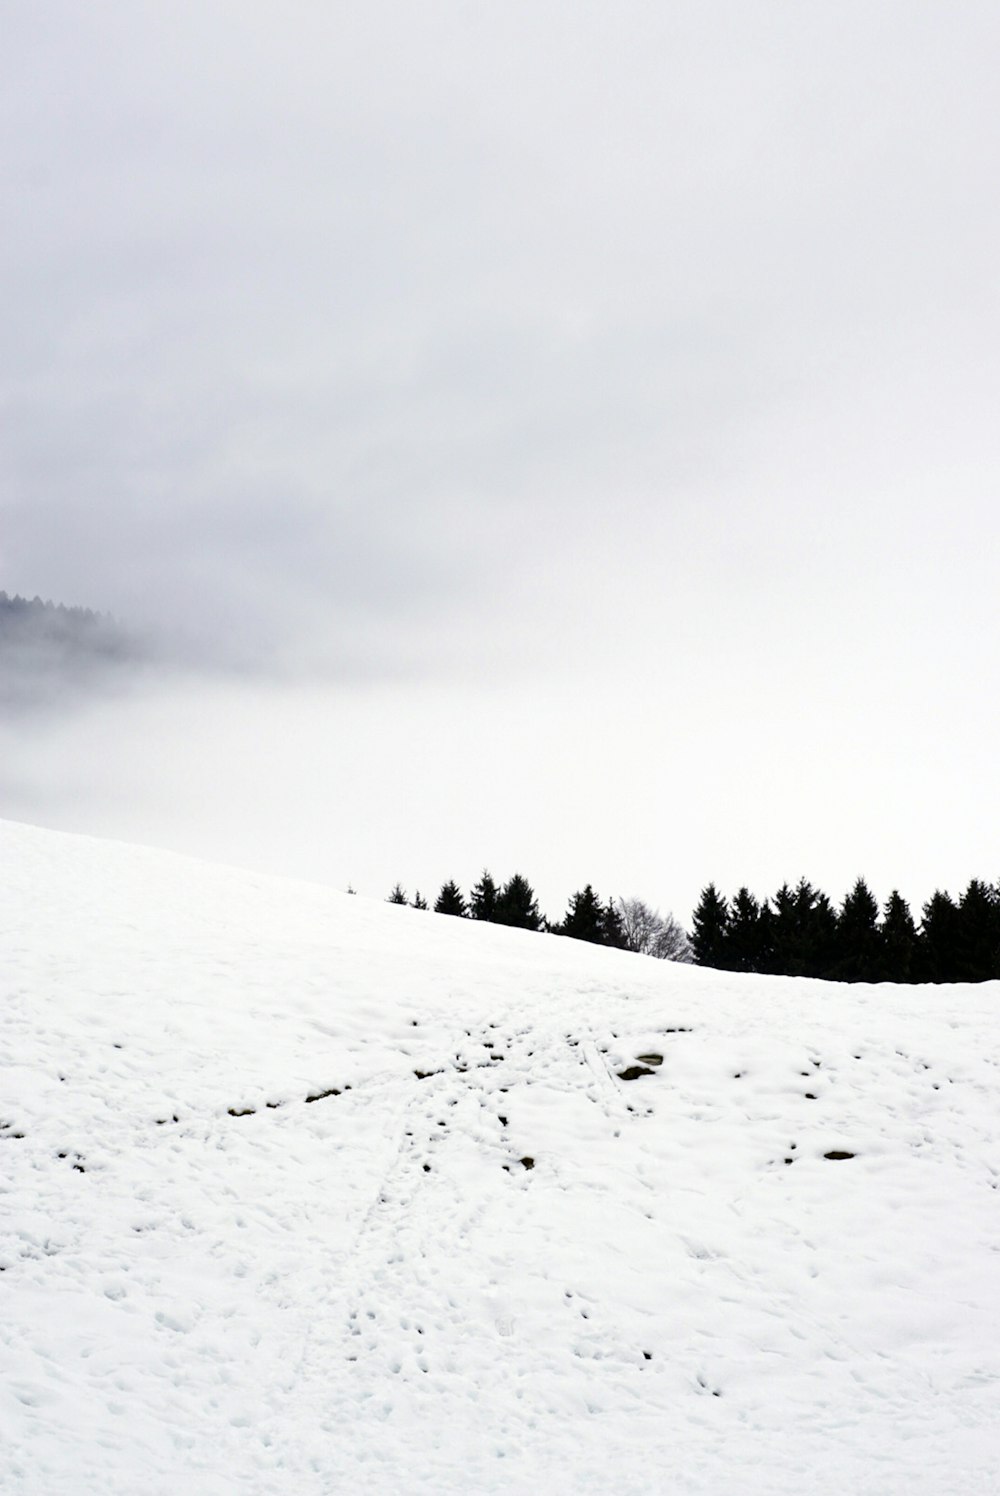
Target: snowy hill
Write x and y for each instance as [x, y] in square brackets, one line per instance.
[304, 1194]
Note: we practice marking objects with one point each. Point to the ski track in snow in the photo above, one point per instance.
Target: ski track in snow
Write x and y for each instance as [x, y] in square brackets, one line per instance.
[479, 1259]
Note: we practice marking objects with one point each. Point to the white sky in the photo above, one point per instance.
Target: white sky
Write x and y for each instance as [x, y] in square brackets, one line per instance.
[585, 417]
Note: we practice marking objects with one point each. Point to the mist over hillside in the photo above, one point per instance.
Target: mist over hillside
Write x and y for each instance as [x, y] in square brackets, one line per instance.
[51, 654]
[308, 1193]
[558, 436]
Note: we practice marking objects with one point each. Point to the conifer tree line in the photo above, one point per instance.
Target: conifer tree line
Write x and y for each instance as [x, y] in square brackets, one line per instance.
[31, 621]
[801, 933]
[627, 924]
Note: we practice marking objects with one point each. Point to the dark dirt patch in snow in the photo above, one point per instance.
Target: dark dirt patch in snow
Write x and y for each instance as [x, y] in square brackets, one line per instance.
[330, 1091]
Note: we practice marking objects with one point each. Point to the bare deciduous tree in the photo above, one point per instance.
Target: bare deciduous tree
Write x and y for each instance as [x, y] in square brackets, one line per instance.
[651, 933]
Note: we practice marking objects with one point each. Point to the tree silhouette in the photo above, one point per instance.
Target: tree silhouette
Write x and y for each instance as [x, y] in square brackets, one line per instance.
[516, 905]
[857, 944]
[710, 929]
[650, 933]
[898, 956]
[483, 898]
[745, 936]
[939, 938]
[450, 900]
[584, 918]
[612, 928]
[977, 952]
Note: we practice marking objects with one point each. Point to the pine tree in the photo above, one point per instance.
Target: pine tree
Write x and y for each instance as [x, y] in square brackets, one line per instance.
[516, 905]
[398, 895]
[450, 900]
[483, 898]
[418, 901]
[898, 946]
[710, 929]
[858, 941]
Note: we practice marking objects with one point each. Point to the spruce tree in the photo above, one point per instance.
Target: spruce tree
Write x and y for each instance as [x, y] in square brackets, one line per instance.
[398, 895]
[898, 945]
[516, 905]
[483, 898]
[450, 900]
[584, 918]
[743, 942]
[819, 929]
[765, 939]
[612, 927]
[784, 933]
[418, 901]
[978, 933]
[710, 929]
[858, 941]
[939, 955]
[804, 931]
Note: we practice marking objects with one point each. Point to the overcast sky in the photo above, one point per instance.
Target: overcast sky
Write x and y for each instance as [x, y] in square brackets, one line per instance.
[568, 433]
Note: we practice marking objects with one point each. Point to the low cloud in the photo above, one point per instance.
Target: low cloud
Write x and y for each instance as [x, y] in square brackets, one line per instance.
[536, 430]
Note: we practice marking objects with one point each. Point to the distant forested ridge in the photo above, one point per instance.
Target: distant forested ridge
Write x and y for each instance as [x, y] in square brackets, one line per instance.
[46, 648]
[30, 621]
[801, 933]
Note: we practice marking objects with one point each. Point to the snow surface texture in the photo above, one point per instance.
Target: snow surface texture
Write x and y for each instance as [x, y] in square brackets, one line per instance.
[305, 1194]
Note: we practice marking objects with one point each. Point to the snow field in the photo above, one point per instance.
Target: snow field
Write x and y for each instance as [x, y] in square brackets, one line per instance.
[305, 1194]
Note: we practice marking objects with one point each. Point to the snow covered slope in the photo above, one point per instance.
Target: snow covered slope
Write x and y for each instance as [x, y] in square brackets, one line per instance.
[304, 1194]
